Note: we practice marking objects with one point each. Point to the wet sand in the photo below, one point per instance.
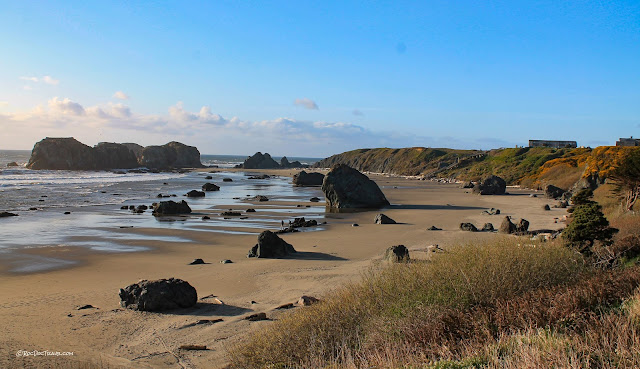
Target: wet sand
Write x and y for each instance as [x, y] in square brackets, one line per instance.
[38, 310]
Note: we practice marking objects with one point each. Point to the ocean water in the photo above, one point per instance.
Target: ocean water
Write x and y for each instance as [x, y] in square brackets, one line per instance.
[98, 224]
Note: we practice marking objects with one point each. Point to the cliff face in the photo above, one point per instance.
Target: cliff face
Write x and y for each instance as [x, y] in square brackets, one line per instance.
[70, 154]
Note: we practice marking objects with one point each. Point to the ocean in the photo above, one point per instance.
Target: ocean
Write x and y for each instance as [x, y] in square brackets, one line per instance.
[94, 200]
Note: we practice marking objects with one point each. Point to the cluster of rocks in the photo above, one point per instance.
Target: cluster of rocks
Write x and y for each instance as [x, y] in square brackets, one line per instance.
[298, 223]
[135, 209]
[70, 154]
[265, 161]
[470, 227]
[508, 227]
[556, 193]
[492, 211]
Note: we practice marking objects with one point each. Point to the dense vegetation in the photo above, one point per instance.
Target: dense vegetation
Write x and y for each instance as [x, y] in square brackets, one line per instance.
[531, 167]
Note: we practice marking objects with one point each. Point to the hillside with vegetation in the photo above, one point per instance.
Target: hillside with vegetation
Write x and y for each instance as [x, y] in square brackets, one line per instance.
[527, 166]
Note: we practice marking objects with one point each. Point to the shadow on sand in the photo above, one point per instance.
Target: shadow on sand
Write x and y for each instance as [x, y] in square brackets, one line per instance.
[433, 207]
[204, 308]
[310, 255]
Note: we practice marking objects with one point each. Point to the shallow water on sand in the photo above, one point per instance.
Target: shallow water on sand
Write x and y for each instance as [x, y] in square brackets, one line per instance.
[97, 223]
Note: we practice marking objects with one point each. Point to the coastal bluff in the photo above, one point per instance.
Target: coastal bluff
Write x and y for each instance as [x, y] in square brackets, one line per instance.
[67, 153]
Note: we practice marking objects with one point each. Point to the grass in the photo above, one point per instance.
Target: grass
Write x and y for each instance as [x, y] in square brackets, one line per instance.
[384, 313]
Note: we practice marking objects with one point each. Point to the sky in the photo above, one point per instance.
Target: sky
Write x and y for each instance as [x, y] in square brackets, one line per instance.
[316, 78]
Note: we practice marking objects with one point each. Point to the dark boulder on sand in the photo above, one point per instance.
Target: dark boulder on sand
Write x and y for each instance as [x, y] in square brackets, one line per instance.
[383, 219]
[469, 227]
[507, 226]
[492, 185]
[158, 295]
[171, 207]
[345, 187]
[12, 164]
[303, 178]
[397, 254]
[5, 214]
[553, 192]
[270, 246]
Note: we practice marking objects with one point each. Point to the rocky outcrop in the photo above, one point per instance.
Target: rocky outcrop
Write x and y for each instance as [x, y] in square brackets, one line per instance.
[260, 161]
[303, 178]
[345, 187]
[62, 154]
[397, 254]
[70, 154]
[158, 295]
[492, 185]
[172, 155]
[469, 227]
[270, 246]
[171, 208]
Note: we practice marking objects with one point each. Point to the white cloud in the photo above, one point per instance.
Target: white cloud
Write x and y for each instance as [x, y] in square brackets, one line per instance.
[49, 80]
[210, 132]
[65, 107]
[306, 103]
[32, 79]
[121, 95]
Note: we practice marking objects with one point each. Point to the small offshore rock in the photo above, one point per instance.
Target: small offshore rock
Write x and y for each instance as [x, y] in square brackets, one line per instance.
[195, 193]
[251, 210]
[210, 187]
[314, 199]
[206, 217]
[227, 180]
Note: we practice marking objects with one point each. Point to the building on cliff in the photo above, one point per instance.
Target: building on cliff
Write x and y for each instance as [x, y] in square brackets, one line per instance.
[555, 144]
[628, 141]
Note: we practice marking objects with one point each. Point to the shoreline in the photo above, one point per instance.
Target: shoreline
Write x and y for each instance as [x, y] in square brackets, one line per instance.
[326, 260]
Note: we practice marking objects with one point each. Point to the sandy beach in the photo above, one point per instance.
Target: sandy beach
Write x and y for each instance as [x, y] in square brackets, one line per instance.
[39, 311]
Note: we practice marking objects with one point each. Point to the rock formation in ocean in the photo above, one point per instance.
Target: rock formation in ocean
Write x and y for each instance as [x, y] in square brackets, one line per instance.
[303, 178]
[67, 153]
[345, 187]
[260, 161]
[171, 155]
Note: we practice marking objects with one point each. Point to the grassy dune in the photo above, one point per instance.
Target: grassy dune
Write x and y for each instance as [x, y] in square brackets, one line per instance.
[513, 303]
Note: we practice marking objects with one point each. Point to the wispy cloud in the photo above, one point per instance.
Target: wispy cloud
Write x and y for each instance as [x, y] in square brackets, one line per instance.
[306, 103]
[210, 132]
[45, 79]
[121, 95]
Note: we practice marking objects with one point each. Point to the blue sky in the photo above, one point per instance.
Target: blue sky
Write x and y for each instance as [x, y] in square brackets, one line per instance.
[318, 78]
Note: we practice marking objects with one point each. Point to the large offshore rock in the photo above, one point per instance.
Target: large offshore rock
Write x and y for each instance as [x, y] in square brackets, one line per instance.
[110, 155]
[171, 208]
[270, 246]
[260, 161]
[303, 178]
[492, 185]
[158, 295]
[171, 155]
[345, 187]
[62, 154]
